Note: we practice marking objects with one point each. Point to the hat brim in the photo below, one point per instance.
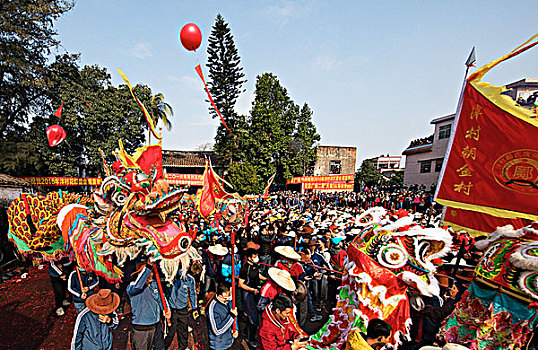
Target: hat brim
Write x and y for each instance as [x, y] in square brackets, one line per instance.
[287, 284]
[103, 309]
[288, 254]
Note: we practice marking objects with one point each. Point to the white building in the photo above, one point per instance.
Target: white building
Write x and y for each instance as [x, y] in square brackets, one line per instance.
[424, 157]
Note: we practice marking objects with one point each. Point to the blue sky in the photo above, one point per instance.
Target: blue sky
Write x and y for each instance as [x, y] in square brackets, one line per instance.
[374, 73]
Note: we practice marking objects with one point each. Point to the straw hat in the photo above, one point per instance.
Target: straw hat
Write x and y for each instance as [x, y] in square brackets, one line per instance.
[288, 252]
[218, 250]
[282, 278]
[104, 302]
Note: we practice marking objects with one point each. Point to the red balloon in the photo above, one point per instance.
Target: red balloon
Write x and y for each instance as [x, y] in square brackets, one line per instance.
[190, 36]
[55, 135]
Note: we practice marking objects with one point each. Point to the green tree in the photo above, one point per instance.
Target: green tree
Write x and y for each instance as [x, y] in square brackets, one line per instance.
[226, 79]
[396, 179]
[95, 115]
[367, 175]
[281, 135]
[160, 111]
[304, 141]
[27, 37]
[244, 179]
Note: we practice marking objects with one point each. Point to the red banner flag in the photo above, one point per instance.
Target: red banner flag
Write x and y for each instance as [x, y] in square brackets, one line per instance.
[58, 112]
[492, 166]
[211, 191]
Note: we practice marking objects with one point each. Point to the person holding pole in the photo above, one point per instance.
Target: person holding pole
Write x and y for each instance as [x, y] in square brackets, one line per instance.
[221, 317]
[183, 290]
[147, 303]
[81, 284]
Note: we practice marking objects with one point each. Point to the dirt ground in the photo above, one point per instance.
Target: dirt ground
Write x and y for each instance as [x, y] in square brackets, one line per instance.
[28, 320]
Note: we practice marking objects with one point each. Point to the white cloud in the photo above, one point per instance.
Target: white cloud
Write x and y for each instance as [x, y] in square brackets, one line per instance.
[142, 50]
[283, 12]
[329, 61]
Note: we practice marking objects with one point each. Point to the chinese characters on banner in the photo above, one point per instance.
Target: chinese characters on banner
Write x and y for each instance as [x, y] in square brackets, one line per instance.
[173, 179]
[319, 179]
[63, 181]
[185, 179]
[492, 167]
[328, 186]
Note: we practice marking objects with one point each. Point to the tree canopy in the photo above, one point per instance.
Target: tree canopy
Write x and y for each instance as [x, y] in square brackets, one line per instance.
[95, 115]
[226, 79]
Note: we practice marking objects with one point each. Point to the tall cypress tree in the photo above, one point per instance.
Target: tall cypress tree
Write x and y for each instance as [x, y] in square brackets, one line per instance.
[225, 84]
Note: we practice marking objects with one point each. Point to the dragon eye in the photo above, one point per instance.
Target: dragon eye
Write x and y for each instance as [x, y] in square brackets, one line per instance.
[184, 243]
[119, 198]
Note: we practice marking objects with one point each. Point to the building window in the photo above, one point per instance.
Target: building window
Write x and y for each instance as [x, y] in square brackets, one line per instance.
[335, 167]
[438, 165]
[444, 131]
[425, 166]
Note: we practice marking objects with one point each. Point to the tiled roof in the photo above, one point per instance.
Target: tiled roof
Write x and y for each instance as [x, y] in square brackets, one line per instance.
[188, 158]
[6, 180]
[443, 118]
[418, 149]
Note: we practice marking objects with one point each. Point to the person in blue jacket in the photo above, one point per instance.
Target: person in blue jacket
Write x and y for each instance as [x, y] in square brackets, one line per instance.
[146, 306]
[94, 323]
[220, 318]
[182, 291]
[89, 282]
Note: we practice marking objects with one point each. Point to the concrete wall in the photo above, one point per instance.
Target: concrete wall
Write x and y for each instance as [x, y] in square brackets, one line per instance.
[346, 155]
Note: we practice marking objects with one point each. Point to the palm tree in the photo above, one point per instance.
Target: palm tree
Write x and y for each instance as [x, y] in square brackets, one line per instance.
[161, 111]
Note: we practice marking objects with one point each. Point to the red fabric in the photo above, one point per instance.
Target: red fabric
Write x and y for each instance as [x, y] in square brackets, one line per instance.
[295, 270]
[58, 112]
[211, 191]
[493, 159]
[480, 221]
[199, 71]
[270, 289]
[338, 260]
[273, 334]
[152, 156]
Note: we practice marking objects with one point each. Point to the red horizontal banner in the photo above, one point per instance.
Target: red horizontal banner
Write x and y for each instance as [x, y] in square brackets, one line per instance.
[63, 181]
[321, 179]
[328, 186]
[185, 179]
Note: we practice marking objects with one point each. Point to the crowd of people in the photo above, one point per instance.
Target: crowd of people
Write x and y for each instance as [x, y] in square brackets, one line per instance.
[287, 259]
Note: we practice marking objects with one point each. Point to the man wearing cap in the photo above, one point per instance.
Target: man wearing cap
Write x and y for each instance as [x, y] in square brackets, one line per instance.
[289, 261]
[146, 306]
[94, 322]
[212, 261]
[278, 329]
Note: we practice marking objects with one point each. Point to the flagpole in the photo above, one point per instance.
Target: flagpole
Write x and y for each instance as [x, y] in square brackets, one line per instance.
[232, 239]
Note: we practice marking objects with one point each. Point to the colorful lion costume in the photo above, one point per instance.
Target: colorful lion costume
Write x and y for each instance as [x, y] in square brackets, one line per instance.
[499, 310]
[383, 261]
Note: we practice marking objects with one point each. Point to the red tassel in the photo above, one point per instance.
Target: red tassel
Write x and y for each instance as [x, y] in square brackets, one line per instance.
[199, 70]
[58, 112]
